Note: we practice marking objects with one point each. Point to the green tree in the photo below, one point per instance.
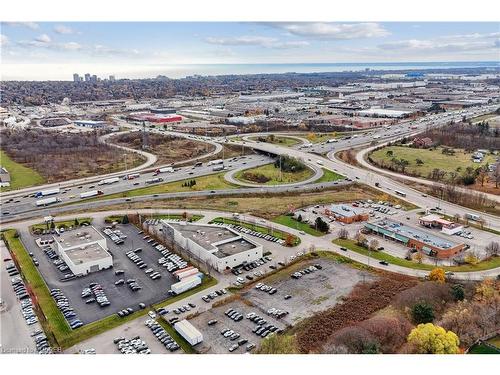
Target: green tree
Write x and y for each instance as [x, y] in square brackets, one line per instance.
[77, 223]
[125, 219]
[422, 313]
[431, 339]
[321, 225]
[458, 293]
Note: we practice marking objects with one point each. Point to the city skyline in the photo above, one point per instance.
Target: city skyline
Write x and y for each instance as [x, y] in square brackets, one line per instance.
[144, 50]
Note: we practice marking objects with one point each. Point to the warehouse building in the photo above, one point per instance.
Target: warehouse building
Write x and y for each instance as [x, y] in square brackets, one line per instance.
[84, 250]
[90, 124]
[424, 242]
[346, 214]
[220, 247]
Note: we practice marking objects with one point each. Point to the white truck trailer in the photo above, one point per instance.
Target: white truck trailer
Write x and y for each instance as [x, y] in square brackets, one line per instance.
[45, 193]
[186, 284]
[47, 201]
[91, 193]
[164, 170]
[189, 332]
[109, 181]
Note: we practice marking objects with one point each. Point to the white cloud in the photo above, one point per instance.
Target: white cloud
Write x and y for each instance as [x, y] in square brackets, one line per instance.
[29, 25]
[262, 41]
[43, 38]
[333, 31]
[439, 45]
[62, 29]
[102, 50]
[70, 46]
[3, 40]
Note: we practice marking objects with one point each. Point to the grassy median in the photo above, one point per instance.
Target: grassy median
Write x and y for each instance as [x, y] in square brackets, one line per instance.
[20, 176]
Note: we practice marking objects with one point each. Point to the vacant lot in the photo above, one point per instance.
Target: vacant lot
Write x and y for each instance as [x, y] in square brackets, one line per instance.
[20, 176]
[169, 149]
[60, 156]
[431, 158]
[270, 175]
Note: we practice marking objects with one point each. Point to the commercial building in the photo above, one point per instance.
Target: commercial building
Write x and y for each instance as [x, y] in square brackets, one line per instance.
[155, 117]
[384, 112]
[424, 242]
[436, 221]
[346, 214]
[219, 247]
[84, 250]
[90, 124]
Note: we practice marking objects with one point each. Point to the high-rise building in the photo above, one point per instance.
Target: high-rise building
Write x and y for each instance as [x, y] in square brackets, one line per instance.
[112, 78]
[93, 78]
[87, 77]
[76, 78]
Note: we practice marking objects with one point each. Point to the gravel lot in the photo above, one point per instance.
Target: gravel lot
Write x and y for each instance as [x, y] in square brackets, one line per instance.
[313, 292]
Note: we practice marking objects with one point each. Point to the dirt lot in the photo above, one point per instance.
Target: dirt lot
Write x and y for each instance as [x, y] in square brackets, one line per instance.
[169, 149]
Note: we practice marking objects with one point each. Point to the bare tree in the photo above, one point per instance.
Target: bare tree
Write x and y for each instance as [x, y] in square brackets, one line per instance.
[343, 234]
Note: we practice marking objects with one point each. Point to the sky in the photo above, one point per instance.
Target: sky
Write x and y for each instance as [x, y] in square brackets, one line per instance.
[56, 50]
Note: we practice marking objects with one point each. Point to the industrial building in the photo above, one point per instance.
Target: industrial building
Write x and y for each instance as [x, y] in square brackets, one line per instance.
[346, 214]
[90, 124]
[84, 250]
[384, 112]
[219, 247]
[424, 242]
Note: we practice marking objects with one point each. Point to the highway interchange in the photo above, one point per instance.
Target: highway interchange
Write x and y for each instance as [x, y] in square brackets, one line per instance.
[23, 207]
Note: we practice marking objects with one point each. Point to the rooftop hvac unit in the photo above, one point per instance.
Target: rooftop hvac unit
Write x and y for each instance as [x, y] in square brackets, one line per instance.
[233, 246]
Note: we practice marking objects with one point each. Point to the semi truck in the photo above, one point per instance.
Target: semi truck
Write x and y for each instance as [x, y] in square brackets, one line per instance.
[218, 168]
[186, 284]
[131, 176]
[92, 193]
[47, 201]
[154, 180]
[164, 170]
[109, 181]
[189, 332]
[215, 162]
[45, 193]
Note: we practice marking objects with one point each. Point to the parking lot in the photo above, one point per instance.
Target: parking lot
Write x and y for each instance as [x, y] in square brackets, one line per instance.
[119, 296]
[286, 301]
[103, 343]
[215, 343]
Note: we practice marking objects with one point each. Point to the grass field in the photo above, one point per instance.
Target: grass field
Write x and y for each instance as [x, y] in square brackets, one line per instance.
[289, 221]
[328, 176]
[63, 223]
[273, 173]
[482, 349]
[55, 324]
[279, 140]
[210, 182]
[258, 228]
[432, 159]
[379, 255]
[20, 176]
[185, 346]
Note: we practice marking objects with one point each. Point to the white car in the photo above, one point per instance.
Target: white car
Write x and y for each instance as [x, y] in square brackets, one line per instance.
[152, 314]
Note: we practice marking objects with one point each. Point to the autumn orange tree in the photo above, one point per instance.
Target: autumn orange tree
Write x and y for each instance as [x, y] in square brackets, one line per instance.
[437, 274]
